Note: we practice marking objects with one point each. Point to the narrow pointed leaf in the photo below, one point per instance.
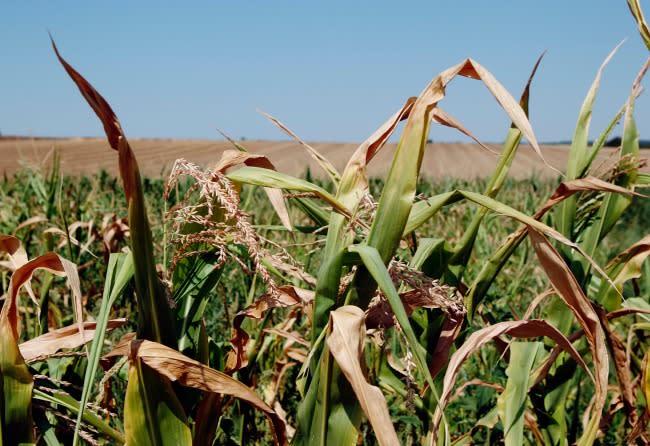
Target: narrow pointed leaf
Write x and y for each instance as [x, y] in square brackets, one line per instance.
[119, 272]
[315, 154]
[512, 402]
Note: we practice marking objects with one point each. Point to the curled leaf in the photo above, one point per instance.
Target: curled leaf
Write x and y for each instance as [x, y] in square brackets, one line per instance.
[53, 263]
[567, 287]
[283, 297]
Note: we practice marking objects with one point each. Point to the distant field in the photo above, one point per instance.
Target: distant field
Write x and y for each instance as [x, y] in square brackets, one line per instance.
[88, 155]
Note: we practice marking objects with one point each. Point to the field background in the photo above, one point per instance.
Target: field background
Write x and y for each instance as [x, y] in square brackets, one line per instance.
[464, 161]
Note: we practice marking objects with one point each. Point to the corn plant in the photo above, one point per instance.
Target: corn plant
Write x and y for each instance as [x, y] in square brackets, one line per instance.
[360, 276]
[374, 335]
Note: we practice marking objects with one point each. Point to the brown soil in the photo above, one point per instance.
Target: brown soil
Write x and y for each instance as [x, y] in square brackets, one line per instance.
[458, 160]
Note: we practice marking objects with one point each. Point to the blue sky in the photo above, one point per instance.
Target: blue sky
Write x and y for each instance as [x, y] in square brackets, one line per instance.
[331, 71]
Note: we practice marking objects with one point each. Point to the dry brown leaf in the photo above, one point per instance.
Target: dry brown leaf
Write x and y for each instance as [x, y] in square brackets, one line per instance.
[30, 221]
[292, 336]
[450, 331]
[371, 146]
[474, 70]
[96, 101]
[443, 118]
[56, 265]
[621, 364]
[346, 342]
[535, 303]
[17, 258]
[190, 373]
[285, 296]
[381, 315]
[460, 391]
[641, 427]
[355, 179]
[128, 166]
[520, 329]
[568, 188]
[14, 249]
[626, 311]
[65, 337]
[435, 92]
[567, 287]
[320, 159]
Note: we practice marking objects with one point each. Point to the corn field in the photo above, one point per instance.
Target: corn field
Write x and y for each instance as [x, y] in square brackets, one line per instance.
[238, 305]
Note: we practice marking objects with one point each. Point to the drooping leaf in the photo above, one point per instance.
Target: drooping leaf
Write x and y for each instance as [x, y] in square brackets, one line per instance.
[17, 383]
[277, 180]
[346, 343]
[567, 287]
[520, 329]
[495, 263]
[175, 366]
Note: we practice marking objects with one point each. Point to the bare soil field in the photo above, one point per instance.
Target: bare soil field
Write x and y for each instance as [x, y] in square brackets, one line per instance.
[457, 160]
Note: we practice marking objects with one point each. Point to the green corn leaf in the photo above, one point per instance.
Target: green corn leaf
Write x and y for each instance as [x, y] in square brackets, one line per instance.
[578, 154]
[118, 274]
[152, 413]
[512, 402]
[269, 178]
[63, 399]
[16, 391]
[424, 210]
[624, 267]
[602, 139]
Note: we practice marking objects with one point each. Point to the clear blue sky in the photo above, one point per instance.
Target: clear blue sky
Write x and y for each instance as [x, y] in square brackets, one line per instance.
[330, 70]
